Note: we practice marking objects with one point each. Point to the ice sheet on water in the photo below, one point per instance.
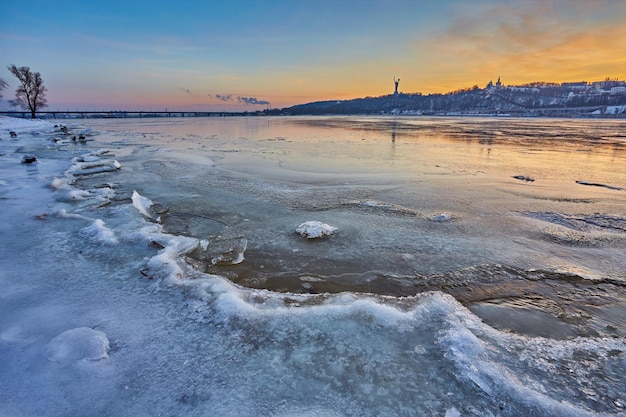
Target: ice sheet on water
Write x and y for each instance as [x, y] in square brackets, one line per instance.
[595, 230]
[486, 359]
[528, 370]
[584, 222]
[482, 357]
[228, 350]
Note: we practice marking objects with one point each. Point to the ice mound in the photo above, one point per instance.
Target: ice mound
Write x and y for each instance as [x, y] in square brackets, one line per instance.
[314, 229]
[79, 344]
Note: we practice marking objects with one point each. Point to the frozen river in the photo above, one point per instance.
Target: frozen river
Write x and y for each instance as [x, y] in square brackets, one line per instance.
[152, 267]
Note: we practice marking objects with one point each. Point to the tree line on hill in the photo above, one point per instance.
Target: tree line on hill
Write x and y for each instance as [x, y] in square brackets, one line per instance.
[536, 99]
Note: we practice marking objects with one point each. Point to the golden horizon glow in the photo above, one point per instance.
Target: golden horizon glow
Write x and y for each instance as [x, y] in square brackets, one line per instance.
[287, 54]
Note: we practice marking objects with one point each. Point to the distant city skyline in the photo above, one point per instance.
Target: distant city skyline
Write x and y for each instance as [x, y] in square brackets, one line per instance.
[249, 55]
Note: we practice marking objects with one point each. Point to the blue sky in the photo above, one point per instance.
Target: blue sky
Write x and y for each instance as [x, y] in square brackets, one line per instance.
[187, 54]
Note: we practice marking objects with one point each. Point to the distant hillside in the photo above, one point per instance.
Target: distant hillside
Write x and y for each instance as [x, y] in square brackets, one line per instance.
[604, 99]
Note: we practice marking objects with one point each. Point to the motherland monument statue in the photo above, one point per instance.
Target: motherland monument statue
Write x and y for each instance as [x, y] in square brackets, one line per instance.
[395, 93]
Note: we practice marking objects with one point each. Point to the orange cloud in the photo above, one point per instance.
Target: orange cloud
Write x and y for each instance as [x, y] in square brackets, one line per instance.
[542, 42]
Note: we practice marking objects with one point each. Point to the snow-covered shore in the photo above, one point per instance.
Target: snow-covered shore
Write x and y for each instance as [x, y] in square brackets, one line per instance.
[17, 125]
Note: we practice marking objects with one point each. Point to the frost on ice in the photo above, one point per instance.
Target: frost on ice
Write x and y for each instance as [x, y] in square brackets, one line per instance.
[314, 229]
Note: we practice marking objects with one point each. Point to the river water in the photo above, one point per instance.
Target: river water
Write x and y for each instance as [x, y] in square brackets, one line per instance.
[477, 267]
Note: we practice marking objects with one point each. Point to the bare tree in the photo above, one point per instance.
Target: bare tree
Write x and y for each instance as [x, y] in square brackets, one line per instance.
[3, 85]
[31, 94]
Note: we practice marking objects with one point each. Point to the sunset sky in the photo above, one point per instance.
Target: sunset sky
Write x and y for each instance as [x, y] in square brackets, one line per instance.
[192, 55]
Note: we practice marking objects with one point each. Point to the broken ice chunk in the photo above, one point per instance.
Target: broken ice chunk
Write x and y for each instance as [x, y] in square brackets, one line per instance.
[142, 204]
[315, 229]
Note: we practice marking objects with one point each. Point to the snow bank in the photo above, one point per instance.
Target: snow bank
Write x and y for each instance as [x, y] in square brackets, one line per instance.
[22, 125]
